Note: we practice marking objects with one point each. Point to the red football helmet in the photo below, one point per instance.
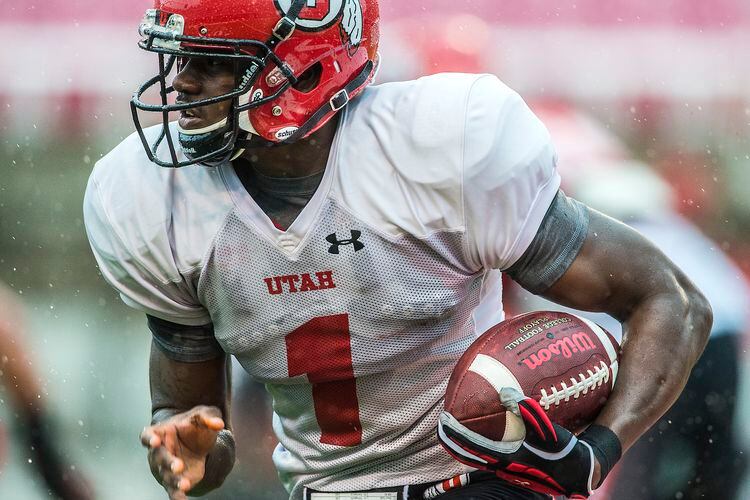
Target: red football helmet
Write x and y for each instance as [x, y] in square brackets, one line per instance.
[272, 43]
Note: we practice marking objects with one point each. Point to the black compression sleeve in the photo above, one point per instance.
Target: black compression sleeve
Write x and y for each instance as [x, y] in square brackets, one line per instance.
[555, 246]
[219, 464]
[187, 344]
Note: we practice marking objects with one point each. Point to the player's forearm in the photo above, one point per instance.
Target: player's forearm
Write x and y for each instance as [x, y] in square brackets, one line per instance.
[180, 387]
[664, 337]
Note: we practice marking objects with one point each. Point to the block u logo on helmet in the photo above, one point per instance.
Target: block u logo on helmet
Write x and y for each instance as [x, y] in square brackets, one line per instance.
[316, 10]
[318, 15]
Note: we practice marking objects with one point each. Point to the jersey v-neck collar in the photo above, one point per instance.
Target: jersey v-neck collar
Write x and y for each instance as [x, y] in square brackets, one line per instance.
[291, 240]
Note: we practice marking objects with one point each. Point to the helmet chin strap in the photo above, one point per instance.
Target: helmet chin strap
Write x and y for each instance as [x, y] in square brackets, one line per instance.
[204, 130]
[201, 141]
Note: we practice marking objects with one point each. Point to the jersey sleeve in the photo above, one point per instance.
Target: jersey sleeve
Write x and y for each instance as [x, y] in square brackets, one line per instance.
[136, 259]
[509, 175]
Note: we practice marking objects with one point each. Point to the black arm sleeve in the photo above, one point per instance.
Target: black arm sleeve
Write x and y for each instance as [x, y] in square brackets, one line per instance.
[555, 246]
[186, 344]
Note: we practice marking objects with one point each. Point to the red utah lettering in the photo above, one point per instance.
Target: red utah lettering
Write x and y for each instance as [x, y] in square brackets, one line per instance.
[294, 283]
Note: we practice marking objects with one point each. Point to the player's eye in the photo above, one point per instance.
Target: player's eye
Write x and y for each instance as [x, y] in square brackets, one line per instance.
[217, 63]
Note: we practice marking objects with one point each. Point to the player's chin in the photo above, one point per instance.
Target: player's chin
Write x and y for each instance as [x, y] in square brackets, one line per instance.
[188, 122]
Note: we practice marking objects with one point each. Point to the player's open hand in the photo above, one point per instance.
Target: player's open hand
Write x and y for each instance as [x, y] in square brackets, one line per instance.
[178, 447]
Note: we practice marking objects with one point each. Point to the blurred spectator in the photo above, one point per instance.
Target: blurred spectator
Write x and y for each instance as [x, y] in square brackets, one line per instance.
[437, 44]
[25, 389]
[692, 451]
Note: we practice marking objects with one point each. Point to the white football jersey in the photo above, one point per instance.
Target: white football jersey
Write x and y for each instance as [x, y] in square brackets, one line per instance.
[355, 316]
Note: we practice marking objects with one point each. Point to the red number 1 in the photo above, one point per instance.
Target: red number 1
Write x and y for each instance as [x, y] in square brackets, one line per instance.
[322, 350]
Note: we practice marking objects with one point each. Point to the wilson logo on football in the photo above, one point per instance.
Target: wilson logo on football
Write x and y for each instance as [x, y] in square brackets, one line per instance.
[578, 342]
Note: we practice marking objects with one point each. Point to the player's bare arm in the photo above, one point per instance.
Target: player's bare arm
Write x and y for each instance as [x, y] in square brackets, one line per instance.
[666, 321]
[190, 448]
[585, 260]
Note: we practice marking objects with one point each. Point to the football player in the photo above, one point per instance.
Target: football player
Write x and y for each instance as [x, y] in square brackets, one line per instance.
[22, 383]
[345, 243]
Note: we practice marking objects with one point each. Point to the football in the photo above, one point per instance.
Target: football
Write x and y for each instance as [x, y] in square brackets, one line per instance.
[565, 362]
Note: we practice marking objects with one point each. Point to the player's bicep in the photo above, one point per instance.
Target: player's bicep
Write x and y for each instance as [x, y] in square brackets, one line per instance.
[178, 386]
[614, 269]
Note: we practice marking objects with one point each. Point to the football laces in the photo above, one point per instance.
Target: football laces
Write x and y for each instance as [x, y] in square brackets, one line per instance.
[592, 379]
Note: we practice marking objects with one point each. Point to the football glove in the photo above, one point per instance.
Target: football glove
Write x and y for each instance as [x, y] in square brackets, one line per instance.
[550, 460]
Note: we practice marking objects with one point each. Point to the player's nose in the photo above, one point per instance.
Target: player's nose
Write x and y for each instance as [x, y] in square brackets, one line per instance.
[187, 80]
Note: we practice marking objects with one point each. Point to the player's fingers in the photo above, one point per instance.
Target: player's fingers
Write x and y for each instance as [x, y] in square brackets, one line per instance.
[176, 494]
[213, 423]
[184, 485]
[169, 480]
[178, 491]
[177, 466]
[170, 440]
[208, 417]
[150, 438]
[172, 479]
[165, 463]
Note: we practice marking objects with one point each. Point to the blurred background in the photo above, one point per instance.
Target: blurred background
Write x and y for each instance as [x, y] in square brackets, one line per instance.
[648, 104]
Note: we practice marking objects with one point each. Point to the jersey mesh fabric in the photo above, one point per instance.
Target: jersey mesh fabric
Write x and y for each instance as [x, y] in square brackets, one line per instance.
[408, 306]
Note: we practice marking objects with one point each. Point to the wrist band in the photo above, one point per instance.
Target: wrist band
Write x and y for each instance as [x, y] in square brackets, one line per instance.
[219, 462]
[606, 447]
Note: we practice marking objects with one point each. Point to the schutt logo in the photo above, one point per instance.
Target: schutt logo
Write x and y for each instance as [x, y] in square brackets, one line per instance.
[578, 342]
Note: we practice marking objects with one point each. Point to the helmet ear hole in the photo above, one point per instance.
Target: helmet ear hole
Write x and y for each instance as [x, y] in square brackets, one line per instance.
[309, 80]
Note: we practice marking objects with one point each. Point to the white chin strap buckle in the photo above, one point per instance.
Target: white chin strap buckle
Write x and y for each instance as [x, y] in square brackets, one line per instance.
[339, 100]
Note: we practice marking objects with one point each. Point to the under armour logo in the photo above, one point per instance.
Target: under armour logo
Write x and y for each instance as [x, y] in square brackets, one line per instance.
[336, 243]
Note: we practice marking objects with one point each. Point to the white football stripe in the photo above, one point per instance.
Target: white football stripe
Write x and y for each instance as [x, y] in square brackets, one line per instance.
[615, 367]
[494, 372]
[603, 338]
[606, 342]
[498, 376]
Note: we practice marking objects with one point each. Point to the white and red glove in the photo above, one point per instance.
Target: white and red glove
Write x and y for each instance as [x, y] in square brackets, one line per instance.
[550, 460]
